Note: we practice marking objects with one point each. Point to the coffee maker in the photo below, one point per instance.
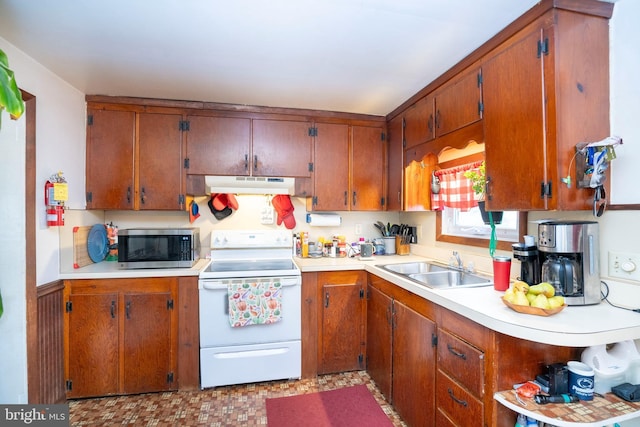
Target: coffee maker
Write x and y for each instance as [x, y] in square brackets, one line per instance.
[529, 258]
[570, 259]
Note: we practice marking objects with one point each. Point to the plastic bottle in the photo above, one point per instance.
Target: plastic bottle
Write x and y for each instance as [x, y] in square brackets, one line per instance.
[531, 422]
[521, 421]
[305, 244]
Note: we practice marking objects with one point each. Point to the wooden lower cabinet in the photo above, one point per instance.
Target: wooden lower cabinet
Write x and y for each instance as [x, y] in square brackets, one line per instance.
[439, 368]
[341, 321]
[121, 336]
[461, 379]
[401, 350]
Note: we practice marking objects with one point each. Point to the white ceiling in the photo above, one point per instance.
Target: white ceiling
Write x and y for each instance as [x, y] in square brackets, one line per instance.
[362, 56]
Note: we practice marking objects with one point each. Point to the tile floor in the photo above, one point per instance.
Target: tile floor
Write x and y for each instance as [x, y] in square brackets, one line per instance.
[231, 406]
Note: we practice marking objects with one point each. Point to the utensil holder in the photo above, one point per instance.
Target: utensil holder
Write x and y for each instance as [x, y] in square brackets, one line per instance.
[402, 248]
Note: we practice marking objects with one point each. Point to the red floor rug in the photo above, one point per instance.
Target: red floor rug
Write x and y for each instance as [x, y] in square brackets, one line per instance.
[344, 407]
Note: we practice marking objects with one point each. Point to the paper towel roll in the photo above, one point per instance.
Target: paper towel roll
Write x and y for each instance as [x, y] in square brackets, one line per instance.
[323, 220]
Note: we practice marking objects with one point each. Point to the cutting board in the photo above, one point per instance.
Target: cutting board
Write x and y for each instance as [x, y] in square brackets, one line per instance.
[80, 253]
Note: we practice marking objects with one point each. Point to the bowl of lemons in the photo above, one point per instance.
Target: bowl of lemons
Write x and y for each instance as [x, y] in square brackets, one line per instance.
[539, 299]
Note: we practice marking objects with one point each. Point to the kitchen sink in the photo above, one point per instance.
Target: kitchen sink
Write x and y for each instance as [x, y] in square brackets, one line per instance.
[437, 276]
[415, 267]
[449, 279]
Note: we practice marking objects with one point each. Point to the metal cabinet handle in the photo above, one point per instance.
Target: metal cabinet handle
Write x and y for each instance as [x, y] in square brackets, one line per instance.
[346, 198]
[142, 195]
[456, 353]
[455, 399]
[255, 162]
[129, 195]
[113, 309]
[128, 309]
[430, 123]
[354, 198]
[326, 299]
[246, 163]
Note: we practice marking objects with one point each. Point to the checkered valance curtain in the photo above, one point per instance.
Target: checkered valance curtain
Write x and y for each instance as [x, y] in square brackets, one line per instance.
[455, 188]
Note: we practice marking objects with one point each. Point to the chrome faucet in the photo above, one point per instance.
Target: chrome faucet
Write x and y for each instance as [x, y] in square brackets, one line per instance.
[456, 255]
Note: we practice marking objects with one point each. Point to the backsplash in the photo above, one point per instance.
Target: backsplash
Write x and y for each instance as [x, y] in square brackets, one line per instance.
[248, 216]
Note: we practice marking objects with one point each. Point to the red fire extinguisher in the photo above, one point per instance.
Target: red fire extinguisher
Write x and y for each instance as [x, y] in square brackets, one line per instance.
[55, 206]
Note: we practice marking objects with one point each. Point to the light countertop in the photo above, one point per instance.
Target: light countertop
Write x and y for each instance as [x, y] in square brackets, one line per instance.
[110, 270]
[575, 326]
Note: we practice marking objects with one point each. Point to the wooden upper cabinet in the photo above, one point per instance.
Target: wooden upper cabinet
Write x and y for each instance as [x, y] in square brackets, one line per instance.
[459, 102]
[331, 167]
[218, 145]
[419, 122]
[110, 160]
[395, 164]
[161, 167]
[514, 126]
[368, 167]
[281, 148]
[546, 89]
[134, 160]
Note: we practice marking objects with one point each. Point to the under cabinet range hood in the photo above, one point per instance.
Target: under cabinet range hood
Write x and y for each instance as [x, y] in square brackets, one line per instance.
[249, 185]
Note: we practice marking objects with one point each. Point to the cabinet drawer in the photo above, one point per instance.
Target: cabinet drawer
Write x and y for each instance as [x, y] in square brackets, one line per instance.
[462, 361]
[459, 405]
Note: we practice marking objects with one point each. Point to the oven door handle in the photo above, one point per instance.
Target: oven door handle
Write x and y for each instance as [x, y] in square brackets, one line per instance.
[214, 285]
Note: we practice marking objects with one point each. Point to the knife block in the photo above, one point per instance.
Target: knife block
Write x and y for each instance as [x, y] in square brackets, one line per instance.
[402, 248]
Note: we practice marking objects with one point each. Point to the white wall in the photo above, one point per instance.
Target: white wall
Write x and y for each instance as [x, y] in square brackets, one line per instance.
[60, 141]
[13, 387]
[625, 100]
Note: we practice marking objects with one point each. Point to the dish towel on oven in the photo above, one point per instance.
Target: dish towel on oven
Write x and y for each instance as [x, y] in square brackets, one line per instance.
[254, 303]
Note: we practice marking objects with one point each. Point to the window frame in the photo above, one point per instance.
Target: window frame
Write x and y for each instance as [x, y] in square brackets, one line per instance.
[523, 217]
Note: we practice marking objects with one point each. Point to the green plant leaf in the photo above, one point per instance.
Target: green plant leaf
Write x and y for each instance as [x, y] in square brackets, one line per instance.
[10, 95]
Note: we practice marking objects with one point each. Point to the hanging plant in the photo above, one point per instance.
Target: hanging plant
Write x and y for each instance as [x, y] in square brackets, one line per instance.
[10, 95]
[478, 180]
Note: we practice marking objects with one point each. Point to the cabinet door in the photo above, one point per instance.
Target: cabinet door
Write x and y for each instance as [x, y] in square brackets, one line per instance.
[379, 340]
[414, 361]
[218, 145]
[514, 128]
[417, 183]
[395, 164]
[110, 159]
[342, 321]
[331, 167]
[161, 166]
[148, 350]
[368, 151]
[419, 122]
[458, 103]
[92, 352]
[281, 148]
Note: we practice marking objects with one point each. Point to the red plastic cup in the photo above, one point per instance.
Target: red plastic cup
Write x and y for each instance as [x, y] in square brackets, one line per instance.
[501, 273]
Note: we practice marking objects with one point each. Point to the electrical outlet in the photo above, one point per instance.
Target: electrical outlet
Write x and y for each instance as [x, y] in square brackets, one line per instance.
[358, 230]
[624, 265]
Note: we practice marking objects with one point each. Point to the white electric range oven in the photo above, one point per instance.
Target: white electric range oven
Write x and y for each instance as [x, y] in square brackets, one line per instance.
[250, 309]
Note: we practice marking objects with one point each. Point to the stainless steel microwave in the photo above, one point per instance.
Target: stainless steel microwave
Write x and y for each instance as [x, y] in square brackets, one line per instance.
[158, 247]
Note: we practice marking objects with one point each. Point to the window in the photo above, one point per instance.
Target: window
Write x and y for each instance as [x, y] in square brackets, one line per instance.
[467, 228]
